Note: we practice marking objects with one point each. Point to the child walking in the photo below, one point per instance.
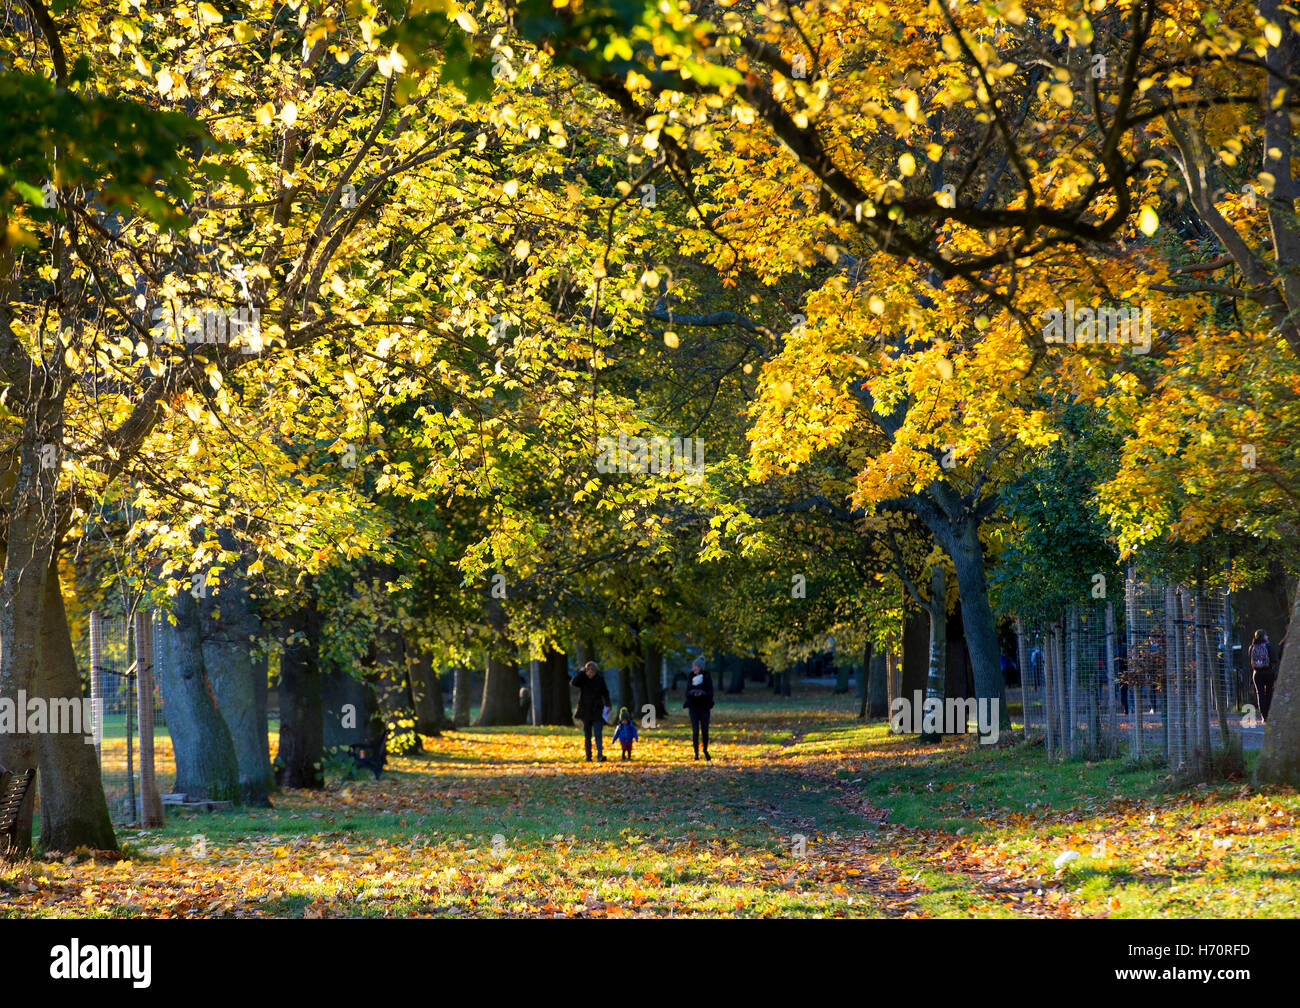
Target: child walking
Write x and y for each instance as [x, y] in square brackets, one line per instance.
[626, 732]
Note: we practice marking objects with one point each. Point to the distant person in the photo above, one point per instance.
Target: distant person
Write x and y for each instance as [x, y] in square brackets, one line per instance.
[593, 701]
[1263, 665]
[625, 734]
[699, 701]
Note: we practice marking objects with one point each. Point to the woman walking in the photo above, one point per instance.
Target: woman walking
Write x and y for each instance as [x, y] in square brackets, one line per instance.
[699, 701]
[1263, 663]
[593, 699]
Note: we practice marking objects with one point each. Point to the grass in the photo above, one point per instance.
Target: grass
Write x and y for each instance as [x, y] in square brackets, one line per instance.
[805, 811]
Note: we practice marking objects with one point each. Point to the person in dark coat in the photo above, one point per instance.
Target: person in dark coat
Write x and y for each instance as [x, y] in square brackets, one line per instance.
[593, 698]
[1263, 666]
[699, 702]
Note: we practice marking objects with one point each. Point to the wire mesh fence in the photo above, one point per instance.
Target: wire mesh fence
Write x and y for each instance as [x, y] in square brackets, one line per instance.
[1154, 680]
[132, 741]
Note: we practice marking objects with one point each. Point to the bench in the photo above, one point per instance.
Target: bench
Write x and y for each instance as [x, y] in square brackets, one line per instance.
[187, 804]
[13, 792]
[371, 755]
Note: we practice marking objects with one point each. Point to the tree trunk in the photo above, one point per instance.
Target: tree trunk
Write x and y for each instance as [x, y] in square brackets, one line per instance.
[461, 685]
[501, 685]
[741, 671]
[350, 711]
[652, 673]
[426, 691]
[938, 667]
[625, 697]
[555, 689]
[1279, 758]
[877, 672]
[500, 693]
[864, 685]
[206, 763]
[29, 552]
[302, 740]
[235, 662]
[74, 812]
[916, 660]
[962, 543]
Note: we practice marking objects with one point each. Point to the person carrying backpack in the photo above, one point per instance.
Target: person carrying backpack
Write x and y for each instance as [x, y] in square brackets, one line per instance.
[1263, 665]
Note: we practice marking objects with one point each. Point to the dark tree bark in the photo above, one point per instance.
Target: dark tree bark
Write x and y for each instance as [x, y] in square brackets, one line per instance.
[556, 709]
[652, 676]
[916, 654]
[957, 680]
[302, 738]
[501, 684]
[74, 812]
[426, 692]
[626, 686]
[350, 710]
[235, 661]
[877, 673]
[206, 763]
[461, 685]
[735, 680]
[1279, 759]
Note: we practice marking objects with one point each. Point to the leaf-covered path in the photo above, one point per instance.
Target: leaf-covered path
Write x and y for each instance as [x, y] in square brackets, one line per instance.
[804, 811]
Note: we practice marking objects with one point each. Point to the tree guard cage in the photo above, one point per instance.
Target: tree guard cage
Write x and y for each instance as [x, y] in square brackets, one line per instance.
[1151, 681]
[1069, 691]
[131, 731]
[1029, 654]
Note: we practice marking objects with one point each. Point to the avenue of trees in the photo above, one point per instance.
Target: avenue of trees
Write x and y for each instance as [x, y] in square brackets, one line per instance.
[317, 319]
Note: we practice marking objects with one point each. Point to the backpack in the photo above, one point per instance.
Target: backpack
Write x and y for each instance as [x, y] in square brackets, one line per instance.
[1259, 656]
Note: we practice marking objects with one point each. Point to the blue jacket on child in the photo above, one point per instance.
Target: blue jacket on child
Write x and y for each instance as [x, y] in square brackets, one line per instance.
[625, 732]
